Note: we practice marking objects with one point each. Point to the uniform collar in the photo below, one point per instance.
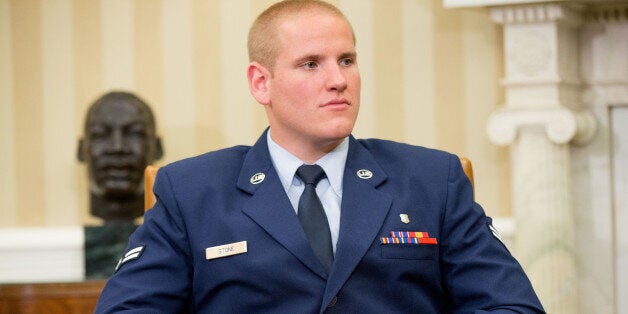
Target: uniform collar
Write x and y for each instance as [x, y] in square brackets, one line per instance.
[286, 164]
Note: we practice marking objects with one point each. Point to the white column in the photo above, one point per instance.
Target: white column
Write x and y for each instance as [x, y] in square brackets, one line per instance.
[542, 116]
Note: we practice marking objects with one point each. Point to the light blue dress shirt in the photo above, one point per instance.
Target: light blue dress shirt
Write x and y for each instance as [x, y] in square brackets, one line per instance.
[329, 190]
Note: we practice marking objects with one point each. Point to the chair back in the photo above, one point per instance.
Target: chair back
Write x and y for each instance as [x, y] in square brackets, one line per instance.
[467, 168]
[149, 180]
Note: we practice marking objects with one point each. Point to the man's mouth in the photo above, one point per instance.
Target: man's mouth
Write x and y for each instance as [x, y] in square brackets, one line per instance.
[337, 103]
[117, 171]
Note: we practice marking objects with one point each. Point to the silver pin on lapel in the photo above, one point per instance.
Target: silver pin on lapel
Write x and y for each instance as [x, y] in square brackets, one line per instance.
[364, 174]
[257, 178]
[404, 218]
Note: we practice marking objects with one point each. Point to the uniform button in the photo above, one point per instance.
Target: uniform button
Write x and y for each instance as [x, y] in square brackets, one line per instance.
[332, 302]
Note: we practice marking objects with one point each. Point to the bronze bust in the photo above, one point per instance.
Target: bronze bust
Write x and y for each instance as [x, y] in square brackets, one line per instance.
[119, 141]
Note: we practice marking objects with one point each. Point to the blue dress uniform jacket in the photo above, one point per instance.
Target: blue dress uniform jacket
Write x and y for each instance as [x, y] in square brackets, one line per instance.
[235, 195]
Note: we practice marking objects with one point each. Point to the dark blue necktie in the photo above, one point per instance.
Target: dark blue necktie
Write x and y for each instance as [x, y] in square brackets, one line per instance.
[312, 215]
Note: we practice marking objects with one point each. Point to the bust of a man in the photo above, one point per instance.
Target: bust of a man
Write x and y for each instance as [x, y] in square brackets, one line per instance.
[119, 141]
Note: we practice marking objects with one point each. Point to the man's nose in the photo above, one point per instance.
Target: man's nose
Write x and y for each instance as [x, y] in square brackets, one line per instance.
[336, 79]
[117, 142]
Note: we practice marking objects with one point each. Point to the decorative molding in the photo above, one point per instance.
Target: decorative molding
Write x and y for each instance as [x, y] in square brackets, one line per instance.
[606, 94]
[544, 81]
[611, 13]
[485, 3]
[560, 124]
[537, 13]
[530, 53]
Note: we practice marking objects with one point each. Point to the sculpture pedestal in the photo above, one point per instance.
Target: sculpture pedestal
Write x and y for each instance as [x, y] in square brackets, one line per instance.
[104, 245]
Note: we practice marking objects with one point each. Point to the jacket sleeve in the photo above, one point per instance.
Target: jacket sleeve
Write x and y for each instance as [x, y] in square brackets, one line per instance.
[479, 273]
[154, 276]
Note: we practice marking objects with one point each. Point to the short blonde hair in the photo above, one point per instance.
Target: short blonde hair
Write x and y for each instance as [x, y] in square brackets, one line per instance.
[262, 40]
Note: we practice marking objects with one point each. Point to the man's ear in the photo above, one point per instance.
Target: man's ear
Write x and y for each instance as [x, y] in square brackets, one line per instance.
[259, 79]
[159, 151]
[80, 154]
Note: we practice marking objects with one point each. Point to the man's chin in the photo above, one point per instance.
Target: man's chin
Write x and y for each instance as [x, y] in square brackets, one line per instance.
[120, 191]
[337, 132]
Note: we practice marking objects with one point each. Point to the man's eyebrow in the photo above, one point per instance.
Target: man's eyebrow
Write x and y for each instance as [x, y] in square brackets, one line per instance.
[352, 55]
[307, 58]
[136, 122]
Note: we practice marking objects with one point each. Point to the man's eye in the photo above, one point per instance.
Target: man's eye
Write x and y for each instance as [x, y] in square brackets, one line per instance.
[136, 131]
[346, 61]
[98, 132]
[310, 65]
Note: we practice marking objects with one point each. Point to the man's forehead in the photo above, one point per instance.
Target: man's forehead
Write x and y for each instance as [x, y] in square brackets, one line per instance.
[314, 44]
[295, 20]
[118, 110]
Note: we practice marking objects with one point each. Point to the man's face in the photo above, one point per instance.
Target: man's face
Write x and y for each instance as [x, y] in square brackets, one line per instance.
[315, 87]
[119, 142]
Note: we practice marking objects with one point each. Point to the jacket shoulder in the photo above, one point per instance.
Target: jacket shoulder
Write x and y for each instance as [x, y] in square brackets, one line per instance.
[403, 152]
[224, 161]
[403, 160]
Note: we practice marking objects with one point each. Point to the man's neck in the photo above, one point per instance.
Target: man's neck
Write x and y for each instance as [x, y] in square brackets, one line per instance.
[117, 209]
[309, 152]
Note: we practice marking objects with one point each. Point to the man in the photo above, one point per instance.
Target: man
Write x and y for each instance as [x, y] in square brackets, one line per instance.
[226, 234]
[119, 141]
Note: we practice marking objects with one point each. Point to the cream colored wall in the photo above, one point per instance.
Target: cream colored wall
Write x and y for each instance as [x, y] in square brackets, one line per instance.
[430, 77]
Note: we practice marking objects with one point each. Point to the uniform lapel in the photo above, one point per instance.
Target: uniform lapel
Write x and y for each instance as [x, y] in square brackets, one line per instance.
[270, 208]
[363, 211]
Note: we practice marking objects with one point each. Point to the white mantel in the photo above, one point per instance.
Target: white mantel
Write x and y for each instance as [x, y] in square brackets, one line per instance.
[565, 117]
[44, 254]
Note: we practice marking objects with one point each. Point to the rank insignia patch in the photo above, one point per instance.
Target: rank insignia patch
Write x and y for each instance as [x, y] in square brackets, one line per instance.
[495, 232]
[132, 254]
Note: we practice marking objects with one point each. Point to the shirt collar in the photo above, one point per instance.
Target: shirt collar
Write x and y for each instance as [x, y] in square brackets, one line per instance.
[333, 163]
